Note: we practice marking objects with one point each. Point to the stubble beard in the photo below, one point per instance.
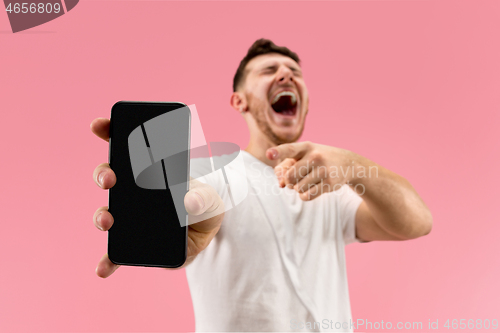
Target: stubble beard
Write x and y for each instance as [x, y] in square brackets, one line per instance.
[257, 110]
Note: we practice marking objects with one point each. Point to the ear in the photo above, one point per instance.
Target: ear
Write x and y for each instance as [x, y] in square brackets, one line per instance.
[238, 102]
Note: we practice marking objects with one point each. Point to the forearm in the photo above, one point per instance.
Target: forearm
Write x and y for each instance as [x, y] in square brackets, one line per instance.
[393, 202]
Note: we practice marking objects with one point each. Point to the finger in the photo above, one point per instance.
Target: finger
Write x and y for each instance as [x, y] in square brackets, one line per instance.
[103, 219]
[282, 168]
[298, 171]
[105, 267]
[288, 150]
[312, 192]
[104, 177]
[303, 185]
[204, 206]
[197, 201]
[100, 127]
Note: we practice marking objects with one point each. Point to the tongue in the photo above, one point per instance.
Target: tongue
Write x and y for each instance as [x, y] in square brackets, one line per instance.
[287, 112]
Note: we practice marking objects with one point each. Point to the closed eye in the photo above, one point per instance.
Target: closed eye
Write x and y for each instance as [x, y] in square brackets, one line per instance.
[269, 70]
[296, 71]
[272, 69]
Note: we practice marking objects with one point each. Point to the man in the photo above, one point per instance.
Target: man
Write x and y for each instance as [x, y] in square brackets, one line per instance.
[276, 261]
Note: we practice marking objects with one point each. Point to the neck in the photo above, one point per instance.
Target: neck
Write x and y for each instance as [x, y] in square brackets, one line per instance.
[258, 145]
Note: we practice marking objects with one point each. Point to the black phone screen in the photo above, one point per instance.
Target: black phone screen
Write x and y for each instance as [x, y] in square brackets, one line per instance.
[149, 153]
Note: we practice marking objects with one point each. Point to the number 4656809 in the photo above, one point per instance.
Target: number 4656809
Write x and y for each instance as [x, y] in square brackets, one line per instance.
[33, 8]
[471, 324]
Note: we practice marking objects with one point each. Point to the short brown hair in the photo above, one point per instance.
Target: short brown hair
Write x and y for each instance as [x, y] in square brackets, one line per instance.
[259, 47]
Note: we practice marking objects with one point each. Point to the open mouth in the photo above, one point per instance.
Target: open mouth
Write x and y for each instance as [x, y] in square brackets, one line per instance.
[285, 103]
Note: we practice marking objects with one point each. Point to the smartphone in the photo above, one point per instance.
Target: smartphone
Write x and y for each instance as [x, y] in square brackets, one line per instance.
[149, 153]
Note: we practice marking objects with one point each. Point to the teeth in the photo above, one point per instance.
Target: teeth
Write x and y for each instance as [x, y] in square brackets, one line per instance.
[285, 93]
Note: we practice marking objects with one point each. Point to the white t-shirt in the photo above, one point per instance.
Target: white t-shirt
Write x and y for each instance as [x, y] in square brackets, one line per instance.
[277, 263]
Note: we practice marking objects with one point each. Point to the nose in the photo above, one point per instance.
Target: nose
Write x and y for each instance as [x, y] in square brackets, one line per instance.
[285, 75]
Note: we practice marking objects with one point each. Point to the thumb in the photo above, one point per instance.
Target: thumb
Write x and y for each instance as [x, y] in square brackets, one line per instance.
[203, 205]
[197, 201]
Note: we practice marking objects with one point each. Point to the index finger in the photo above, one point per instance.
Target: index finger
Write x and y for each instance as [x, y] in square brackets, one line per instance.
[288, 150]
[100, 127]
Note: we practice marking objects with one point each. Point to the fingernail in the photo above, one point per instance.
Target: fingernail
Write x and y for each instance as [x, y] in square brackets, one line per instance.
[100, 178]
[274, 153]
[98, 220]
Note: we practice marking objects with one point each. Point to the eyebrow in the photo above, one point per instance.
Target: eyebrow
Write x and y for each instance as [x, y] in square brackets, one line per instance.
[274, 66]
[268, 67]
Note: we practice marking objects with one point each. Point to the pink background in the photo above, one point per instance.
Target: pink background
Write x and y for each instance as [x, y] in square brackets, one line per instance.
[412, 85]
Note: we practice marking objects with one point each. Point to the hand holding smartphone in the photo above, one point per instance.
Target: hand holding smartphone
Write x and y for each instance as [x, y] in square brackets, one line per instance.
[149, 232]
